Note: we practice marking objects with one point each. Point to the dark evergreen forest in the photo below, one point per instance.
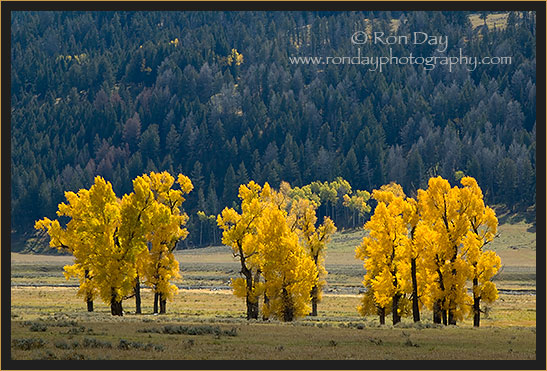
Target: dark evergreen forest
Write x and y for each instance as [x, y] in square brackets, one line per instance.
[118, 94]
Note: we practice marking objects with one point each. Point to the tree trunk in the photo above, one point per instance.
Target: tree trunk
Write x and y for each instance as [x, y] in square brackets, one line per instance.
[451, 317]
[116, 307]
[476, 304]
[440, 302]
[395, 309]
[138, 296]
[266, 303]
[163, 304]
[252, 308]
[314, 301]
[89, 305]
[288, 308]
[382, 314]
[252, 303]
[156, 298]
[437, 312]
[89, 296]
[415, 304]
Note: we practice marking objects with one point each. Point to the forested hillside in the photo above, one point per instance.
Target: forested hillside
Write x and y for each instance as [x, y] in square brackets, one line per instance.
[119, 94]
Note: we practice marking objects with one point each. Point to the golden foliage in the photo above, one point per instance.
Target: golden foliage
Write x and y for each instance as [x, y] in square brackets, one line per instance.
[444, 232]
[109, 237]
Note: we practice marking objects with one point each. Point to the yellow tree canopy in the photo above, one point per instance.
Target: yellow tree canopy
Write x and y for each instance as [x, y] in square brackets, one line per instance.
[289, 272]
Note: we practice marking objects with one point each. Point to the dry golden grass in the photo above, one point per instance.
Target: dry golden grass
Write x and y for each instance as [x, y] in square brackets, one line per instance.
[303, 339]
[498, 20]
[339, 333]
[30, 303]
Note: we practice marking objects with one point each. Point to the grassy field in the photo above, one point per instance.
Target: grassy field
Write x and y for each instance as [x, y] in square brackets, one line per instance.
[207, 321]
[52, 323]
[498, 20]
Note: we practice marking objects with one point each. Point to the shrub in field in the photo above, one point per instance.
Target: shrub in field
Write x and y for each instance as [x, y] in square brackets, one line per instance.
[27, 344]
[376, 341]
[64, 323]
[410, 343]
[74, 356]
[159, 348]
[190, 330]
[154, 330]
[76, 330]
[198, 330]
[48, 355]
[38, 327]
[62, 345]
[128, 345]
[95, 343]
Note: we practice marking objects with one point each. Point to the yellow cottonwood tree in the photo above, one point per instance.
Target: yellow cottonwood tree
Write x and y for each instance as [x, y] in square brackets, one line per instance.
[443, 212]
[95, 215]
[302, 218]
[483, 228]
[239, 232]
[414, 251]
[289, 272]
[162, 228]
[384, 251]
[412, 266]
[78, 244]
[436, 245]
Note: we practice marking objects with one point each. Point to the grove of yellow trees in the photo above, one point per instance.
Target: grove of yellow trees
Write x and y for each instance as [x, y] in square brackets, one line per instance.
[280, 249]
[425, 251]
[116, 242]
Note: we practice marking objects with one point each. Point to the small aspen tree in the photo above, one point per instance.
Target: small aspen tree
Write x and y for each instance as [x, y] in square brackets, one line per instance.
[357, 204]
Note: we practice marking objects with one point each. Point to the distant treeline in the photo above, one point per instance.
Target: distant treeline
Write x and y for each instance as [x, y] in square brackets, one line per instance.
[119, 94]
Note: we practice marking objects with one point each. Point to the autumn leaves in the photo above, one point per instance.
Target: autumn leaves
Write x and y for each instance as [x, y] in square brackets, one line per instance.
[118, 243]
[280, 250]
[425, 251]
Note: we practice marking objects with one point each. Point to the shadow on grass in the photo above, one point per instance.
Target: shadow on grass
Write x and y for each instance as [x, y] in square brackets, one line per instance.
[508, 216]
